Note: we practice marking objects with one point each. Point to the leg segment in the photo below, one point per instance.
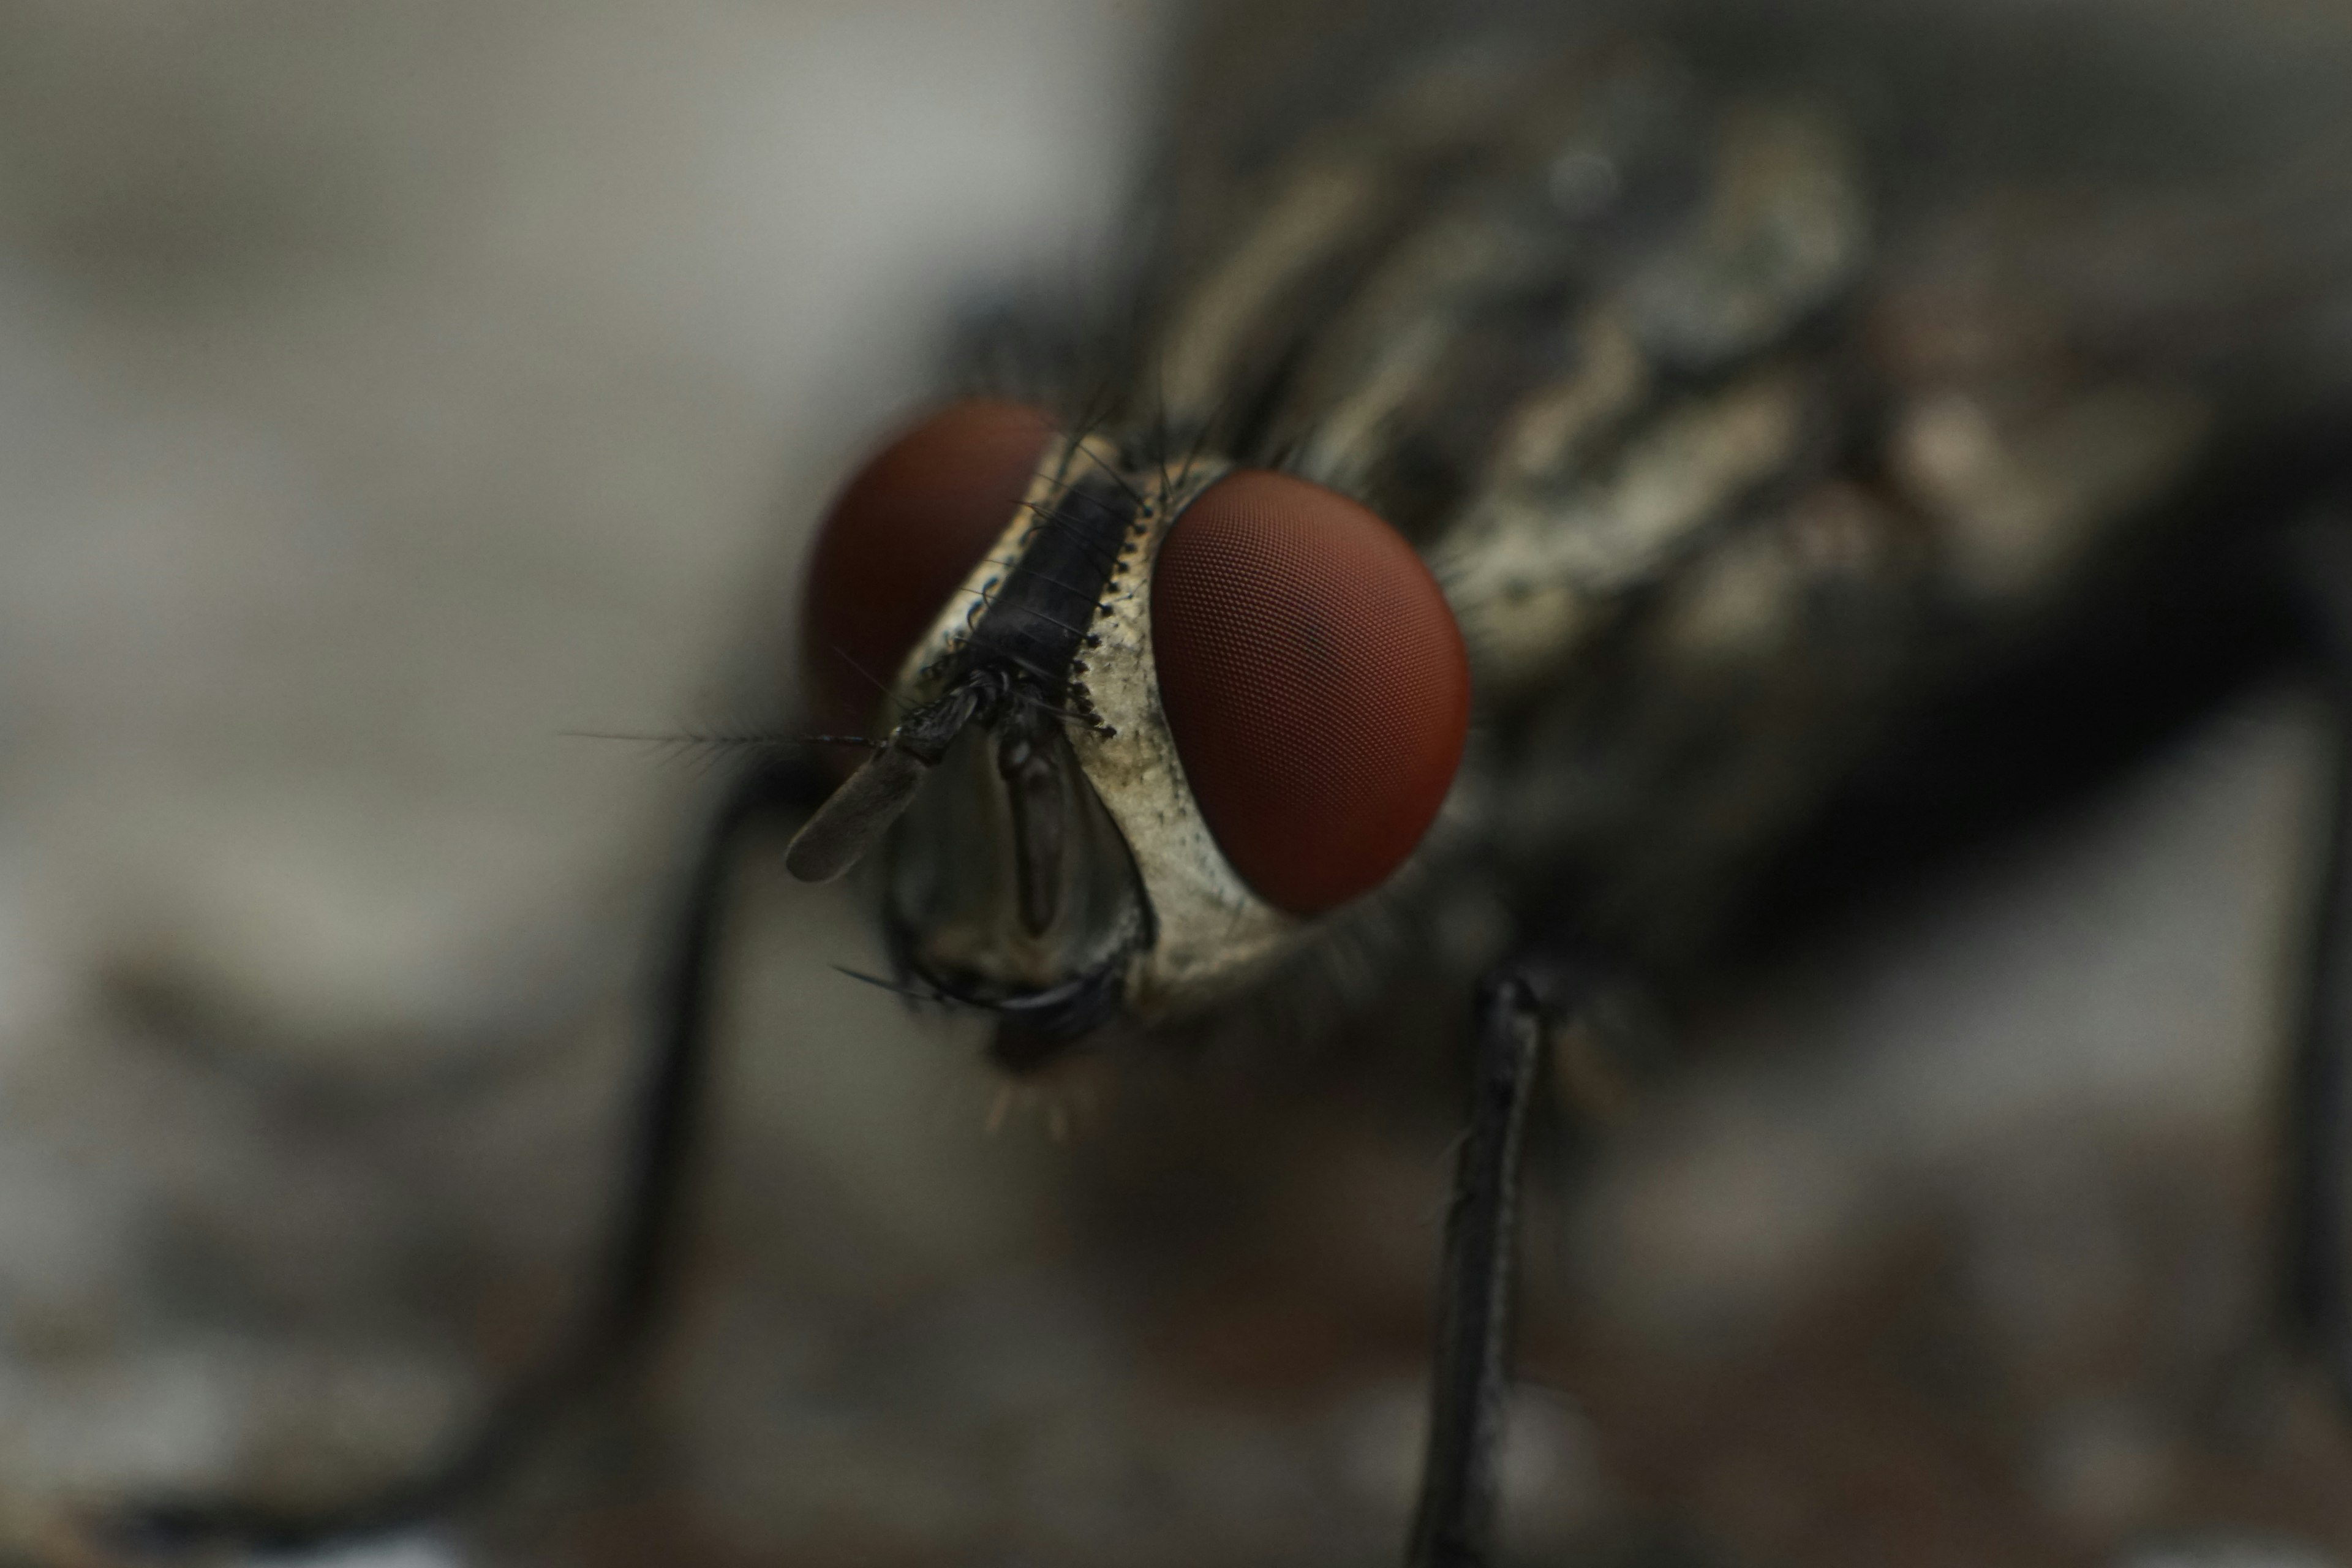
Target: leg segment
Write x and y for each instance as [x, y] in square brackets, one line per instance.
[2319, 1090]
[617, 1313]
[1454, 1524]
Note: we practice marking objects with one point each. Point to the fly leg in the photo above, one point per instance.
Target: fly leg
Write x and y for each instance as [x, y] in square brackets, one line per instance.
[2319, 1092]
[643, 1227]
[1453, 1523]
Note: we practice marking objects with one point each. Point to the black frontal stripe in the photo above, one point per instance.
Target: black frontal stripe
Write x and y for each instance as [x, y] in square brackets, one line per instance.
[1039, 614]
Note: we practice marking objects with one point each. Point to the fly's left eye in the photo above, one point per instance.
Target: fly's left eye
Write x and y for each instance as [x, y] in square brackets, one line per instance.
[1315, 682]
[901, 537]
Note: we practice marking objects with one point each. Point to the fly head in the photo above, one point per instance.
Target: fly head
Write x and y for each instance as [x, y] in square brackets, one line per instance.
[1173, 715]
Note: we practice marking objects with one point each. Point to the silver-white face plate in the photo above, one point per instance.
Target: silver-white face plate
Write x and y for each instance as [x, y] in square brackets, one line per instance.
[1211, 934]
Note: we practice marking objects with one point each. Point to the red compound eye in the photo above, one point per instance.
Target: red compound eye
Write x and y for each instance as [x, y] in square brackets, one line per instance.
[1314, 681]
[901, 538]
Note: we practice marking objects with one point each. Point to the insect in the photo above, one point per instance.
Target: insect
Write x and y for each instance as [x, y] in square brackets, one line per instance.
[1534, 484]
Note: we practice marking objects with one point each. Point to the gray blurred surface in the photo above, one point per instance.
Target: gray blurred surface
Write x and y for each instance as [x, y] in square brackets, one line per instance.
[385, 392]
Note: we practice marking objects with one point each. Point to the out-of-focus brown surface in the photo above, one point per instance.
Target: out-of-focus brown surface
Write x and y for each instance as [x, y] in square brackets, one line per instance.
[385, 392]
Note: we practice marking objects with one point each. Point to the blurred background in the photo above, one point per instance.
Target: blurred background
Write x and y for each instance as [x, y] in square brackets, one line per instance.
[388, 393]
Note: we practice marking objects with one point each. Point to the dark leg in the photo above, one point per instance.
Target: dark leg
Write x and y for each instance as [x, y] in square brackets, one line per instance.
[1454, 1524]
[2319, 1090]
[644, 1226]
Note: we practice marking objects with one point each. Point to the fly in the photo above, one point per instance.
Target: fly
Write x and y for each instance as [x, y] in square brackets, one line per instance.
[1563, 476]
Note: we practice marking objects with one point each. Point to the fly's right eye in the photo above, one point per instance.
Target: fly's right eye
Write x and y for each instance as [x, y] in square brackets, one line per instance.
[1315, 683]
[901, 538]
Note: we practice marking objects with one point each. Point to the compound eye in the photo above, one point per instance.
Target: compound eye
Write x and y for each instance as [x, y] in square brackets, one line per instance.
[901, 538]
[1315, 682]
